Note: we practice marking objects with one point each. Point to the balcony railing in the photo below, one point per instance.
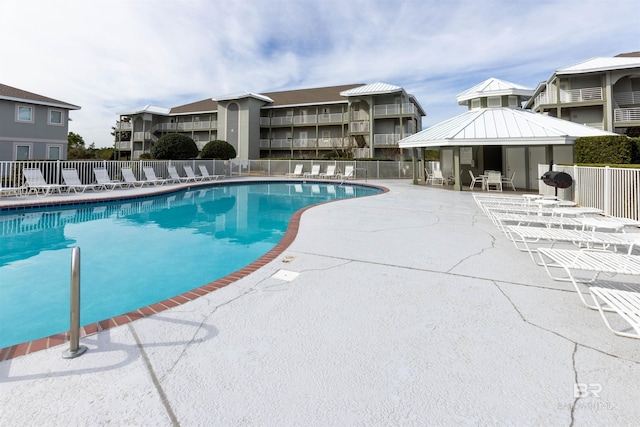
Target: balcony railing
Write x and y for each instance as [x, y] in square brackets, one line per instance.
[265, 144]
[627, 98]
[626, 114]
[331, 118]
[123, 145]
[359, 127]
[278, 121]
[298, 120]
[581, 95]
[141, 136]
[386, 139]
[265, 121]
[185, 126]
[394, 109]
[572, 95]
[124, 126]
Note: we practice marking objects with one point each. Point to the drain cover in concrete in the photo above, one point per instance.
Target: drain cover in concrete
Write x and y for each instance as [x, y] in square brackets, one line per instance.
[285, 275]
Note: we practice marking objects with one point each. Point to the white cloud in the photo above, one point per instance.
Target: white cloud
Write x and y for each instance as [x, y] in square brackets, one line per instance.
[113, 56]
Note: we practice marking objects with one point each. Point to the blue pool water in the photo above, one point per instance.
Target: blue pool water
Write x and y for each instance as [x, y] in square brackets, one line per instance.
[138, 252]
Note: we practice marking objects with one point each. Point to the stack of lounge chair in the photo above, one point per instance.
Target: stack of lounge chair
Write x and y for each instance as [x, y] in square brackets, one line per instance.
[573, 242]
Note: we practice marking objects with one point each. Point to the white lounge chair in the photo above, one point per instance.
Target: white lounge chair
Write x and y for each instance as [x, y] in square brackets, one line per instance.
[330, 173]
[175, 176]
[103, 178]
[591, 260]
[315, 172]
[191, 175]
[626, 304]
[347, 174]
[530, 238]
[11, 191]
[438, 178]
[38, 185]
[205, 174]
[151, 177]
[130, 178]
[72, 182]
[297, 172]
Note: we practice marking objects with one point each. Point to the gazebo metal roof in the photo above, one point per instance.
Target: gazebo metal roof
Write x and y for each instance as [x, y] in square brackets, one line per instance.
[500, 126]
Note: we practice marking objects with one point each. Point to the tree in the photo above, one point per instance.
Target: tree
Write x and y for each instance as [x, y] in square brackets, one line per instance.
[218, 149]
[76, 149]
[174, 146]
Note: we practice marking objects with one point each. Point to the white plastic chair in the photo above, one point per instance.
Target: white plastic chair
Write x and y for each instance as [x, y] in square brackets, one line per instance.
[494, 180]
[474, 179]
[437, 179]
[509, 181]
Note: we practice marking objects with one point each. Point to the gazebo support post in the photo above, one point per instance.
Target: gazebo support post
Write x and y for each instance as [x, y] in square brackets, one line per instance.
[457, 185]
[414, 155]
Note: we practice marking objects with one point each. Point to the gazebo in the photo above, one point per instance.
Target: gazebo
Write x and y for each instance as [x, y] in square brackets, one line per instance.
[495, 133]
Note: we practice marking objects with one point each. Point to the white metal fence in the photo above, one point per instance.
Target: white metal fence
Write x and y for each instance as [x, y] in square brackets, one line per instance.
[11, 172]
[614, 190]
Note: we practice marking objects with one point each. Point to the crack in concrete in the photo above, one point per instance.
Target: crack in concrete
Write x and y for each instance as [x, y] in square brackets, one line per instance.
[575, 381]
[154, 378]
[525, 320]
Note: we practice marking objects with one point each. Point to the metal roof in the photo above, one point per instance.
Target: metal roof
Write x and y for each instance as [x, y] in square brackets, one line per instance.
[372, 89]
[500, 126]
[495, 87]
[148, 109]
[601, 64]
[242, 95]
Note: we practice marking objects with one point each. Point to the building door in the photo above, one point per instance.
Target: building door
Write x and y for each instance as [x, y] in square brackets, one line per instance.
[537, 155]
[516, 162]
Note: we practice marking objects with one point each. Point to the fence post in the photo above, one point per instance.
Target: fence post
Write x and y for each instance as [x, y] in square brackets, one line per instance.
[75, 349]
[607, 190]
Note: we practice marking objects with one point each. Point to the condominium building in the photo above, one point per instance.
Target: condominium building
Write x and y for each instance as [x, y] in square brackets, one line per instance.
[359, 120]
[603, 93]
[32, 126]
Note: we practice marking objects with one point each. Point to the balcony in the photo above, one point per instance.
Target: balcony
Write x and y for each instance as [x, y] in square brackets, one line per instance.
[394, 109]
[305, 119]
[124, 126]
[304, 143]
[332, 142]
[384, 139]
[627, 98]
[123, 145]
[626, 114]
[265, 121]
[332, 118]
[581, 95]
[567, 96]
[279, 121]
[358, 127]
[185, 126]
[141, 136]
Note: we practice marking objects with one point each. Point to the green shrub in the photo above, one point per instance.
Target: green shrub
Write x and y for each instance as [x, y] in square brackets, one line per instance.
[606, 149]
[218, 149]
[174, 146]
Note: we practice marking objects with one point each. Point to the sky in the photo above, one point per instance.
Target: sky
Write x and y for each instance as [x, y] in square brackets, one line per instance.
[114, 56]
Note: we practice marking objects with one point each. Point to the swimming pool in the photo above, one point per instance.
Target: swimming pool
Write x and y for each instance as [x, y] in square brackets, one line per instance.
[138, 252]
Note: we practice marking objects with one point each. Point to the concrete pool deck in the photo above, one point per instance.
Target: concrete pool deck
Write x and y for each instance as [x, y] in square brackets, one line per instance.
[406, 308]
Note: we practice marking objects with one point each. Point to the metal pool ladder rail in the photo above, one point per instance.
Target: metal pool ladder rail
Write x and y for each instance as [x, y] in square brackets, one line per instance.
[75, 349]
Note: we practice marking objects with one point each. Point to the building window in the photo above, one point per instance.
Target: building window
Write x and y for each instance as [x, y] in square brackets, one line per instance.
[23, 152]
[513, 101]
[475, 104]
[53, 152]
[55, 117]
[24, 113]
[494, 101]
